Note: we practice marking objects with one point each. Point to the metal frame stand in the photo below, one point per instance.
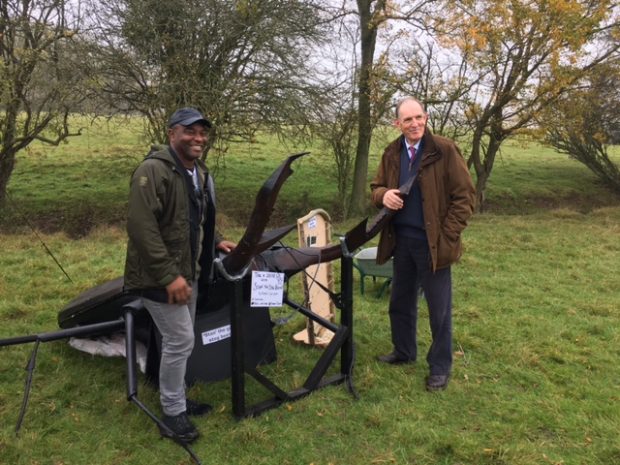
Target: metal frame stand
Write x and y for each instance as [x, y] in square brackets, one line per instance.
[89, 330]
[342, 341]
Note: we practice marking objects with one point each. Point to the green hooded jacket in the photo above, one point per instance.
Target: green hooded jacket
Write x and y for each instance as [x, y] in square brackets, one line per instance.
[158, 224]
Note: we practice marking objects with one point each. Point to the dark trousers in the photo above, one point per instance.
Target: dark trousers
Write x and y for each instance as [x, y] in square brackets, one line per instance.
[412, 271]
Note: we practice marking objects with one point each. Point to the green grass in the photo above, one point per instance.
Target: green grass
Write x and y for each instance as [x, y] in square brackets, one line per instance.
[536, 375]
[528, 177]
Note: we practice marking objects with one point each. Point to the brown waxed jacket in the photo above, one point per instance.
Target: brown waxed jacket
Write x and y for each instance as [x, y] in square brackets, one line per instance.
[448, 197]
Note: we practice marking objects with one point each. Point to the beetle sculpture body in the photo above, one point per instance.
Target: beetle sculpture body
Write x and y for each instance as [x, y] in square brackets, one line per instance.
[108, 307]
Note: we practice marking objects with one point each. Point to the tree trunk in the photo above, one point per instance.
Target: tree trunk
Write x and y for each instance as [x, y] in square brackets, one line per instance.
[7, 163]
[359, 190]
[481, 185]
[482, 160]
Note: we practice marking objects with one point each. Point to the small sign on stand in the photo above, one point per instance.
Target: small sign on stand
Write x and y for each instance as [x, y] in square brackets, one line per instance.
[267, 289]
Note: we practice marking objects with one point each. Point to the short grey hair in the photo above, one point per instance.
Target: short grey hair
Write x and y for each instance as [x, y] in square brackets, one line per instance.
[407, 99]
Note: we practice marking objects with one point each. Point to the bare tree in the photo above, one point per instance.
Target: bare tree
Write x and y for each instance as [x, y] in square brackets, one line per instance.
[586, 122]
[441, 81]
[40, 79]
[336, 120]
[372, 15]
[244, 64]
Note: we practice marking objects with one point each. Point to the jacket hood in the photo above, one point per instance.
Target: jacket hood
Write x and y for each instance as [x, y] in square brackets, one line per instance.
[164, 152]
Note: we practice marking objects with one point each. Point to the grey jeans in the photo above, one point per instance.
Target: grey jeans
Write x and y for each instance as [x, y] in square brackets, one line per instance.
[176, 325]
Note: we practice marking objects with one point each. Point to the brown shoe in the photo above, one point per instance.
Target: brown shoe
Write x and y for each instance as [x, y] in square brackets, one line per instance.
[394, 359]
[437, 382]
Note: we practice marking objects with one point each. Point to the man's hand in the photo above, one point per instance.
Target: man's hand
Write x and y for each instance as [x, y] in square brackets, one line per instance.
[392, 199]
[226, 246]
[179, 292]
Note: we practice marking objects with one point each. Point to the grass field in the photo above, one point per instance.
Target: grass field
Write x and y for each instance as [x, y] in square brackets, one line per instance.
[536, 378]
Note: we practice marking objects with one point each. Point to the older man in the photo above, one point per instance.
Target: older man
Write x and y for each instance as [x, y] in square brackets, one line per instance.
[171, 213]
[424, 236]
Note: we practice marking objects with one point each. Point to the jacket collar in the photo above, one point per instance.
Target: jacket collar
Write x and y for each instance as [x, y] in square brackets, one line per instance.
[165, 153]
[430, 153]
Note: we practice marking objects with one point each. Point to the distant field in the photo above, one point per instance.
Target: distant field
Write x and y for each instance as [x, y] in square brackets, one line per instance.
[84, 182]
[536, 378]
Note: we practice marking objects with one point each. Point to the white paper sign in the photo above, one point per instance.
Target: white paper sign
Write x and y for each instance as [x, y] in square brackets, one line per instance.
[267, 289]
[312, 223]
[215, 335]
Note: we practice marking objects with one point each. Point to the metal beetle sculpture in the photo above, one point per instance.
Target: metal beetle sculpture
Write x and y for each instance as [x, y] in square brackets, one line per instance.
[108, 308]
